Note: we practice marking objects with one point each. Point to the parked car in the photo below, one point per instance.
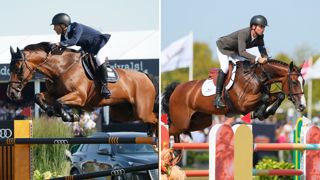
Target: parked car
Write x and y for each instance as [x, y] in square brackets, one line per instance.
[100, 157]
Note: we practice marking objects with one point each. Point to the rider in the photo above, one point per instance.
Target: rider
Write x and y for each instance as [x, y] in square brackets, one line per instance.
[233, 47]
[89, 39]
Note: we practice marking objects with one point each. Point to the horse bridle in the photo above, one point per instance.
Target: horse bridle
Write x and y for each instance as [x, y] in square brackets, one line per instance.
[290, 81]
[31, 71]
[291, 94]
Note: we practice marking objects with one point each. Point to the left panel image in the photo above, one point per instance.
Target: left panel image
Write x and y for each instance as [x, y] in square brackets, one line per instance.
[79, 90]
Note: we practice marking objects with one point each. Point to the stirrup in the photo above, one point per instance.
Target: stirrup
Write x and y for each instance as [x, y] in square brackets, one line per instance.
[219, 104]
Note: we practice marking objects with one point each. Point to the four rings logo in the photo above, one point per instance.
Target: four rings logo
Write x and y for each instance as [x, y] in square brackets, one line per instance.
[118, 172]
[5, 133]
[61, 141]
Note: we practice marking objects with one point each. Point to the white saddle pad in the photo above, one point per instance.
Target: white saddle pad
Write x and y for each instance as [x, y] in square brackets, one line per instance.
[208, 88]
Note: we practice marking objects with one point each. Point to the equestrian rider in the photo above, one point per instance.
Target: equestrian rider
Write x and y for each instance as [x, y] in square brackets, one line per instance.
[233, 47]
[89, 39]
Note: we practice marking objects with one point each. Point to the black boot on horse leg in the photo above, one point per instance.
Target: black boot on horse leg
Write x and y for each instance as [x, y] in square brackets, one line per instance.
[261, 109]
[219, 86]
[65, 116]
[272, 110]
[103, 76]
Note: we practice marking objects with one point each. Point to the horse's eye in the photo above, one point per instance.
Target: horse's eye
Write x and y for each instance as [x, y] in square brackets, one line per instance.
[294, 83]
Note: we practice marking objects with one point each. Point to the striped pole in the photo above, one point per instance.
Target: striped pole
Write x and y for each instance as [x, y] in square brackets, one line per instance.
[191, 146]
[109, 140]
[277, 172]
[112, 172]
[296, 155]
[285, 146]
[197, 173]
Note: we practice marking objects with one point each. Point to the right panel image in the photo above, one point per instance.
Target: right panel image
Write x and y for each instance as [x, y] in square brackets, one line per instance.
[238, 81]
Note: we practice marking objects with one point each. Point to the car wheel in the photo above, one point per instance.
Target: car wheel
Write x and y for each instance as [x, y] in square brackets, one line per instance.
[75, 172]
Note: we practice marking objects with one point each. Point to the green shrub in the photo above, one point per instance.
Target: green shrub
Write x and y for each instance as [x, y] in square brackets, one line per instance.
[269, 163]
[201, 157]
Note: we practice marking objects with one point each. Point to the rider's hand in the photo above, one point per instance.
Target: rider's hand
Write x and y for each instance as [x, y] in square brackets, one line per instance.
[54, 46]
[262, 60]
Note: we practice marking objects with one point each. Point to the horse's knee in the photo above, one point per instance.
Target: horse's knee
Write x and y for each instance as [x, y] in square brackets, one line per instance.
[265, 98]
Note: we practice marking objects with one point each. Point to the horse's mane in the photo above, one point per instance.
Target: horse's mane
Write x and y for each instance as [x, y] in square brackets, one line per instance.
[44, 46]
[274, 61]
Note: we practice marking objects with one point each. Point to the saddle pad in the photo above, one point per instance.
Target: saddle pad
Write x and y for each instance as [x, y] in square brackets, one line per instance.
[208, 88]
[112, 75]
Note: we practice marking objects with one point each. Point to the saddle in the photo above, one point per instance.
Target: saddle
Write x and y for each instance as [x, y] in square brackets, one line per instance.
[209, 85]
[90, 67]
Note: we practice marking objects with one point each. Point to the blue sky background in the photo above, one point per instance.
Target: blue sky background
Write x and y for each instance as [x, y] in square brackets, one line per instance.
[21, 17]
[293, 23]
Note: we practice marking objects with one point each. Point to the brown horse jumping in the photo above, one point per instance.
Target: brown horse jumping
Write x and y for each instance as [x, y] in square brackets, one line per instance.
[188, 110]
[68, 85]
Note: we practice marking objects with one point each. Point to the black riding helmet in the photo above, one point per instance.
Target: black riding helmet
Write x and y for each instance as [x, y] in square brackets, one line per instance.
[258, 20]
[61, 18]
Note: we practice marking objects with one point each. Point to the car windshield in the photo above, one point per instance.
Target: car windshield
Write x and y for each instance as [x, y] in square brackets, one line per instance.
[133, 148]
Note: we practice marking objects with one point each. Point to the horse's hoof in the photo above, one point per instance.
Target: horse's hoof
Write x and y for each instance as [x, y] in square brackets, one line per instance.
[66, 118]
[75, 117]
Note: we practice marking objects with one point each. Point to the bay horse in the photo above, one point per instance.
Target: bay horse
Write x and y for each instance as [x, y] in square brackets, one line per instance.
[68, 85]
[189, 110]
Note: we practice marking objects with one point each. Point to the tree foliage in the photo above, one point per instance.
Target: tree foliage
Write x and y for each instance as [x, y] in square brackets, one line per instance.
[202, 62]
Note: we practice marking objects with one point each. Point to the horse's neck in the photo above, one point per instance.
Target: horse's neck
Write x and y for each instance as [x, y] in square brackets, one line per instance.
[276, 71]
[57, 65]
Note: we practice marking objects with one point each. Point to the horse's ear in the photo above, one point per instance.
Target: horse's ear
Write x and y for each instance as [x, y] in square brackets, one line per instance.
[291, 66]
[19, 53]
[12, 51]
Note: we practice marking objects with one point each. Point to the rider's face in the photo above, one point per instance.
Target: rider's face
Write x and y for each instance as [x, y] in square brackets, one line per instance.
[259, 29]
[59, 28]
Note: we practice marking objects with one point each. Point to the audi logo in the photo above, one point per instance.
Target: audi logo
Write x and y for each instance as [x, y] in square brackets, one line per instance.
[118, 172]
[60, 142]
[5, 133]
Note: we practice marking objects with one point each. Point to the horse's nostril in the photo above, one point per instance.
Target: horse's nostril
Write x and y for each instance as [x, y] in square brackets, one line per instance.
[301, 107]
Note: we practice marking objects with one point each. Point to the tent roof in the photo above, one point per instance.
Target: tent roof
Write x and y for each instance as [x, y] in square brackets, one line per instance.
[122, 45]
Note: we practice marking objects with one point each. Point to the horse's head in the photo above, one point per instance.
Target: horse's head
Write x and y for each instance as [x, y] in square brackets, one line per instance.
[23, 65]
[293, 87]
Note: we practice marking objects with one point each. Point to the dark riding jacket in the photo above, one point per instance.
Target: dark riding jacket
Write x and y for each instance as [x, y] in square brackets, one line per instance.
[89, 39]
[237, 42]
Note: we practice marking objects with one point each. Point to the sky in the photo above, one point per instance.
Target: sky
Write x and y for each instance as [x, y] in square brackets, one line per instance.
[293, 24]
[33, 17]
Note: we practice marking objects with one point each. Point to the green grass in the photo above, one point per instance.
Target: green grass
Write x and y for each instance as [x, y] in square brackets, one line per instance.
[50, 158]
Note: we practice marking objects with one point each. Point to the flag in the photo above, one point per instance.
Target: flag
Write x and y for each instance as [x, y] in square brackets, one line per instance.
[247, 118]
[179, 54]
[306, 67]
[314, 71]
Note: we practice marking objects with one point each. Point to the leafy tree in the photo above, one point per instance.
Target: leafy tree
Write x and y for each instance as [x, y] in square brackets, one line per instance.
[202, 62]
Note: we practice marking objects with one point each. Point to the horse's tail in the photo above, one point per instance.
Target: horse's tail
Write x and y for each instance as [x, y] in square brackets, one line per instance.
[155, 82]
[166, 96]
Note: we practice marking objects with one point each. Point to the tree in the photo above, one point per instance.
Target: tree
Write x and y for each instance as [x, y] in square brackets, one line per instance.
[202, 62]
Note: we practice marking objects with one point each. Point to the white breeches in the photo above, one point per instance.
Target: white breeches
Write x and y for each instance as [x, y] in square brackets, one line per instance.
[101, 55]
[224, 59]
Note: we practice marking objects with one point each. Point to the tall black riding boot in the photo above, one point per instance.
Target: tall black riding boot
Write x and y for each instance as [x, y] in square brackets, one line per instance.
[219, 86]
[103, 76]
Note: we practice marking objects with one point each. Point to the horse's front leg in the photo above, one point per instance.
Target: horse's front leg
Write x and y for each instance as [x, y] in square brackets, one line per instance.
[45, 102]
[69, 100]
[261, 109]
[276, 99]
